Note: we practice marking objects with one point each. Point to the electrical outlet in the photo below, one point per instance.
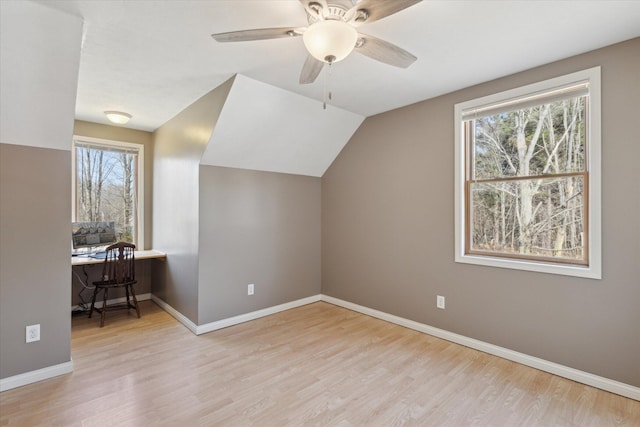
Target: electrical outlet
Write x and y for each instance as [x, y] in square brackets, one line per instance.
[33, 333]
[250, 289]
[440, 302]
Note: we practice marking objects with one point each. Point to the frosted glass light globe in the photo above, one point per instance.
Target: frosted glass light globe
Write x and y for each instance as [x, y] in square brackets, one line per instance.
[330, 40]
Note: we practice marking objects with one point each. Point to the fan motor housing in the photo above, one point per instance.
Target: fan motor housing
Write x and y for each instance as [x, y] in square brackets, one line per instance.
[336, 10]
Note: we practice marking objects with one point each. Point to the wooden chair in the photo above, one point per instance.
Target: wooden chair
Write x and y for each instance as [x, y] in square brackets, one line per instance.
[118, 271]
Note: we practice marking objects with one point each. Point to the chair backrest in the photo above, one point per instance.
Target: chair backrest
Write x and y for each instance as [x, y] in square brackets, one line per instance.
[119, 265]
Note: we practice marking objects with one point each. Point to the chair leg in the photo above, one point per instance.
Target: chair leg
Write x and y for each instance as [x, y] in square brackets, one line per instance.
[93, 301]
[126, 289]
[135, 300]
[103, 314]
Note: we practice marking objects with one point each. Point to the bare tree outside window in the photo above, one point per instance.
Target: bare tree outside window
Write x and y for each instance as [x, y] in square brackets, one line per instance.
[528, 181]
[106, 187]
[527, 177]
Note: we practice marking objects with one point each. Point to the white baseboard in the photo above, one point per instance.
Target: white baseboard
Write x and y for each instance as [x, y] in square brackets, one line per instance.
[524, 359]
[55, 370]
[592, 380]
[602, 383]
[35, 376]
[176, 314]
[225, 323]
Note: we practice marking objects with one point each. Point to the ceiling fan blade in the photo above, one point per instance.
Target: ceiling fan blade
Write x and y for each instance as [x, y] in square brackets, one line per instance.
[383, 51]
[259, 34]
[315, 8]
[371, 10]
[310, 70]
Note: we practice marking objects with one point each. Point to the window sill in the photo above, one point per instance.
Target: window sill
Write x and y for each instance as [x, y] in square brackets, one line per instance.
[588, 272]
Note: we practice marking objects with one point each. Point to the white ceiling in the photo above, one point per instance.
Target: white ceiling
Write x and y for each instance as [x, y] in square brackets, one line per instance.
[154, 58]
[252, 135]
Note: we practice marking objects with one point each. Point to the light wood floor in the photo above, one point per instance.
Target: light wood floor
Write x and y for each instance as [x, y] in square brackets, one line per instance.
[314, 365]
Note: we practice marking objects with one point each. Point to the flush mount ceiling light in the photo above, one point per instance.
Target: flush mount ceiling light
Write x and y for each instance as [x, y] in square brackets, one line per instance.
[330, 41]
[118, 117]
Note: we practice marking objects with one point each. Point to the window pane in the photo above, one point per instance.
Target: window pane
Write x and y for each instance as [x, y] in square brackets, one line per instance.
[531, 217]
[546, 139]
[106, 188]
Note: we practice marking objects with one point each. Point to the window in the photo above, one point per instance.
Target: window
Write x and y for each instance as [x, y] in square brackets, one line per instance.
[108, 186]
[528, 177]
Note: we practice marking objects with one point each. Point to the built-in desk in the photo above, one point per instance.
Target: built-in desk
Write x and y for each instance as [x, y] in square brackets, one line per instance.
[86, 270]
[148, 254]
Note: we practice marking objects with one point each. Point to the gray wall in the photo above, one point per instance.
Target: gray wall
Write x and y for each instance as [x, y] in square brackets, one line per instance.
[178, 147]
[388, 223]
[224, 228]
[261, 228]
[40, 51]
[35, 270]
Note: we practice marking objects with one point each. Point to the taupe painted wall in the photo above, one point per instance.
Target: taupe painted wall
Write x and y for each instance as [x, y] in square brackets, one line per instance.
[40, 51]
[178, 147]
[35, 271]
[388, 223]
[261, 228]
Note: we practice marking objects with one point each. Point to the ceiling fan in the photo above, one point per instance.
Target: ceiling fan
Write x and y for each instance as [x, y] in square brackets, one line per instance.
[332, 33]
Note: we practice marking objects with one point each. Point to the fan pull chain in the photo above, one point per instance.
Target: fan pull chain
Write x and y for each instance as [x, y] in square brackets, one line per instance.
[324, 87]
[326, 95]
[329, 85]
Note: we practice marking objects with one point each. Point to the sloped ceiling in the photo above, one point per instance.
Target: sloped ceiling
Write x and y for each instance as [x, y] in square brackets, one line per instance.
[29, 96]
[152, 59]
[266, 128]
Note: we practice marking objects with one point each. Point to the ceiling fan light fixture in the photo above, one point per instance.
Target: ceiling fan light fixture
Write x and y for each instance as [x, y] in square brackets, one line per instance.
[118, 117]
[330, 40]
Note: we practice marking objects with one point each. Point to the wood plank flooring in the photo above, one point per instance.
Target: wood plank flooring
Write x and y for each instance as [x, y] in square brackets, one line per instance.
[314, 365]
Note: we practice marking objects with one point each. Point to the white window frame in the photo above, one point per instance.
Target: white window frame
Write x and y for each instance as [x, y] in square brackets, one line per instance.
[594, 269]
[139, 237]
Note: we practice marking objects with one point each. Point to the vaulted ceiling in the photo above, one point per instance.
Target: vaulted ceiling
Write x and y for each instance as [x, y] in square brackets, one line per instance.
[152, 59]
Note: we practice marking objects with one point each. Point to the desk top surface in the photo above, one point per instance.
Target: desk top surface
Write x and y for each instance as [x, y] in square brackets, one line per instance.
[148, 254]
